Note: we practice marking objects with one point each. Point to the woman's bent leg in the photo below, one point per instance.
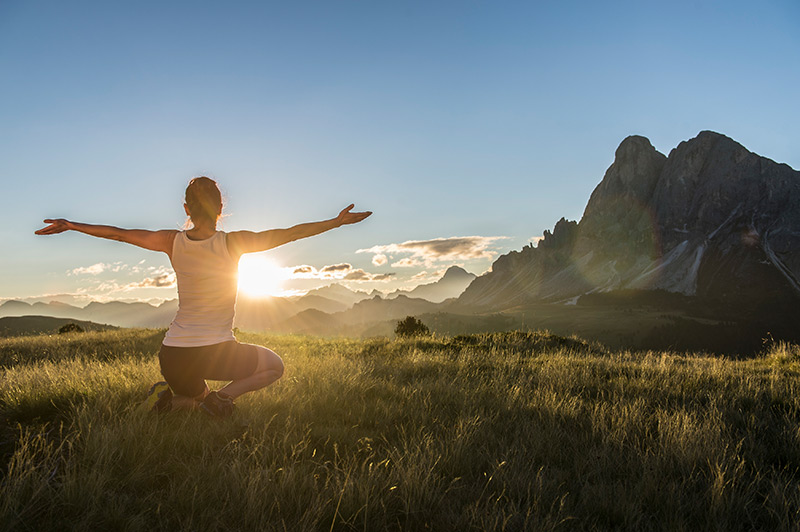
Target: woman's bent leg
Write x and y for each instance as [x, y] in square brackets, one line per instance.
[268, 370]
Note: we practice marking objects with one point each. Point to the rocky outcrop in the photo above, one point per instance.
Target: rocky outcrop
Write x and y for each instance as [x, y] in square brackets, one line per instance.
[712, 220]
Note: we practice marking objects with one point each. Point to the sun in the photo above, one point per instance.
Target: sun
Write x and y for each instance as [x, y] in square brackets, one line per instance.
[259, 276]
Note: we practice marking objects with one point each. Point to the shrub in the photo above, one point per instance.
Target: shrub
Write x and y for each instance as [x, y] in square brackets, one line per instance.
[70, 327]
[411, 326]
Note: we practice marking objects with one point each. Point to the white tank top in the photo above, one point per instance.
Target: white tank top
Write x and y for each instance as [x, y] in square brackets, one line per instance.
[207, 283]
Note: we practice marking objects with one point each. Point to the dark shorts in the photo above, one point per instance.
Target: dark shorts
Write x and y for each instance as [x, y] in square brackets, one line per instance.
[187, 368]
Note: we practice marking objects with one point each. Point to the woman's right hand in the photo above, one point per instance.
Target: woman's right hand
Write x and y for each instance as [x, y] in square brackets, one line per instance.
[346, 217]
[58, 225]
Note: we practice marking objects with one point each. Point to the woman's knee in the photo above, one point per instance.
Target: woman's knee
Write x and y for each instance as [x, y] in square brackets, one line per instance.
[277, 365]
[268, 360]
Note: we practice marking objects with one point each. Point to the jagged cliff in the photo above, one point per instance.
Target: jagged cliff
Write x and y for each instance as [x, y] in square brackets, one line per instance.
[712, 220]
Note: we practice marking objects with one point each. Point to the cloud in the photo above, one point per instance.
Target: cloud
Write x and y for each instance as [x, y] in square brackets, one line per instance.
[379, 259]
[100, 267]
[407, 262]
[425, 275]
[333, 268]
[331, 271]
[426, 252]
[162, 280]
[341, 272]
[361, 276]
[94, 269]
[160, 277]
[299, 271]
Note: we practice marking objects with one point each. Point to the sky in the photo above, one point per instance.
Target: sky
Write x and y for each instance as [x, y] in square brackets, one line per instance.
[467, 127]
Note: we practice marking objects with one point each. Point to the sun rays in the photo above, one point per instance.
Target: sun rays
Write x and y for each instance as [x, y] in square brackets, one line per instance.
[259, 276]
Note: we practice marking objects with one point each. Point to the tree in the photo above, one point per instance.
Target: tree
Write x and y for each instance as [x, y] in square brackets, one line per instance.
[411, 326]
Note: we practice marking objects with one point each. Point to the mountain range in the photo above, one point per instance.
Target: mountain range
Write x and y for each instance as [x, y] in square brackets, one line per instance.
[452, 284]
[702, 244]
[344, 309]
[28, 325]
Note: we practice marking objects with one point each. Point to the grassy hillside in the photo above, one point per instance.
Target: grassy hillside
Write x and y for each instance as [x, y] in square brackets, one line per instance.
[510, 431]
[27, 325]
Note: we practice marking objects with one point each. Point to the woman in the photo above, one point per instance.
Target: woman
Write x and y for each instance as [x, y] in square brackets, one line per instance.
[199, 344]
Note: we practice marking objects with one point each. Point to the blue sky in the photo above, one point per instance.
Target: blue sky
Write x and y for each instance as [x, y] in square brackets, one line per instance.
[447, 119]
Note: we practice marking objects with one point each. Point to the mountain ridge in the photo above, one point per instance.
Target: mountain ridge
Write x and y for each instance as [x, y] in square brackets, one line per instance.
[711, 220]
[706, 237]
[451, 285]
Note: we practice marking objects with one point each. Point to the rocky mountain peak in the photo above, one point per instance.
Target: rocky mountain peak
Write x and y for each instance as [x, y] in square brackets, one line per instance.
[616, 208]
[456, 272]
[631, 148]
[699, 147]
[712, 220]
[562, 237]
[449, 285]
[636, 162]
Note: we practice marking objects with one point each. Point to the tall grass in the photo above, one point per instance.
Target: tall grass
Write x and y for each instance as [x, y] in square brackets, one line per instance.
[520, 431]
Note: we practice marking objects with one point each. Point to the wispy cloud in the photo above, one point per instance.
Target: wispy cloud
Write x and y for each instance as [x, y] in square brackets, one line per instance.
[161, 280]
[360, 275]
[300, 271]
[154, 277]
[334, 269]
[426, 252]
[94, 269]
[100, 267]
[408, 262]
[159, 277]
[342, 272]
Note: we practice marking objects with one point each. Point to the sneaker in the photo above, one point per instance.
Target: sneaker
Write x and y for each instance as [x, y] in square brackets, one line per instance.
[159, 398]
[218, 405]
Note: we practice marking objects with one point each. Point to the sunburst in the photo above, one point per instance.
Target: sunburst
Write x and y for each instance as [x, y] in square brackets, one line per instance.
[259, 276]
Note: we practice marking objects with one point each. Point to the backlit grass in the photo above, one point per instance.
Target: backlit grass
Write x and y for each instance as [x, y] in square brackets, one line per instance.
[519, 431]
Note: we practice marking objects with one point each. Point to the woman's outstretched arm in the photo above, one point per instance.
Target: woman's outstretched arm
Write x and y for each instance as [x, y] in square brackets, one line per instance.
[240, 242]
[153, 240]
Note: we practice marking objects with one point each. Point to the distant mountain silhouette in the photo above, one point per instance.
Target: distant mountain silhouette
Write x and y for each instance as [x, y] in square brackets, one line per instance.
[712, 221]
[313, 321]
[115, 313]
[452, 284]
[25, 325]
[339, 293]
[254, 314]
[54, 309]
[378, 309]
[373, 314]
[320, 303]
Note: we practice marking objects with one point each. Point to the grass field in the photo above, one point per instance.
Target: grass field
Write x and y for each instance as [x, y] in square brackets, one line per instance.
[514, 431]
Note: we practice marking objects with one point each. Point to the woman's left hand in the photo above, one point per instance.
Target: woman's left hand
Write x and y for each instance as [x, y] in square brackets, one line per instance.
[58, 225]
